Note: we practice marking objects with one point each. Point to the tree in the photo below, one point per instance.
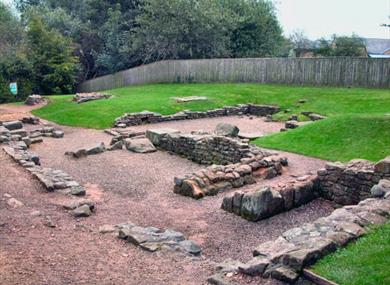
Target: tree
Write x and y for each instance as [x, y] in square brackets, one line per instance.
[55, 68]
[256, 31]
[116, 52]
[180, 29]
[348, 46]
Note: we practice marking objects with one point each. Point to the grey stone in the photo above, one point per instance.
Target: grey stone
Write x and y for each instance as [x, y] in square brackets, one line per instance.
[139, 145]
[82, 211]
[13, 125]
[57, 134]
[156, 135]
[291, 124]
[255, 267]
[190, 247]
[383, 166]
[77, 190]
[261, 204]
[284, 274]
[224, 129]
[96, 150]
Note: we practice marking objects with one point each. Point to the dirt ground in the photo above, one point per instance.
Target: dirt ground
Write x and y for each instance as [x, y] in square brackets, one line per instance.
[129, 187]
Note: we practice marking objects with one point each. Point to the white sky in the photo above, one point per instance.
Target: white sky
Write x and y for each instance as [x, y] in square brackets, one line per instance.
[322, 18]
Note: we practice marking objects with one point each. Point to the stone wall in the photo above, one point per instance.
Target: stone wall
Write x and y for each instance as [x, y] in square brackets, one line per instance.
[204, 149]
[285, 257]
[350, 183]
[146, 117]
[269, 201]
[219, 178]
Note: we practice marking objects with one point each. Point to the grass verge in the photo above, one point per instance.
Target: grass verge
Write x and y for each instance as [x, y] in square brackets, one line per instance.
[365, 262]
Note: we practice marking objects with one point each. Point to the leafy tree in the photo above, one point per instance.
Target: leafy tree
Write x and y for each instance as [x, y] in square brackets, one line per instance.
[348, 46]
[256, 31]
[180, 29]
[55, 68]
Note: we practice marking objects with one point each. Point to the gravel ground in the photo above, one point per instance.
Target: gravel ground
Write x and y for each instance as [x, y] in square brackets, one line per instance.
[129, 187]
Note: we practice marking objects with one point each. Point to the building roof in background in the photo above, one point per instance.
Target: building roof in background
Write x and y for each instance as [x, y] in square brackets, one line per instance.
[377, 46]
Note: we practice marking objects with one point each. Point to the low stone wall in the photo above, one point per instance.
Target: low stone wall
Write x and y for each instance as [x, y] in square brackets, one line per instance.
[146, 117]
[203, 148]
[350, 183]
[218, 178]
[285, 257]
[51, 179]
[269, 201]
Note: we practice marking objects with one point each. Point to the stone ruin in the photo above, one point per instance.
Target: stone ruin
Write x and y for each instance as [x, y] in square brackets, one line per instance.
[147, 117]
[269, 201]
[189, 99]
[153, 239]
[86, 97]
[362, 186]
[34, 100]
[13, 132]
[16, 146]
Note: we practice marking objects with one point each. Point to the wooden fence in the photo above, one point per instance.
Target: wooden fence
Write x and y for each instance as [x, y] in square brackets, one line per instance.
[343, 72]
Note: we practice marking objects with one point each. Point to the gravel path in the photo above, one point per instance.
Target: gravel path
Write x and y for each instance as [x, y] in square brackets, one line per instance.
[129, 187]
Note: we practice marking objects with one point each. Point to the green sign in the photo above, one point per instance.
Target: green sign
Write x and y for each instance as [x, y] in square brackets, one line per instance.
[13, 88]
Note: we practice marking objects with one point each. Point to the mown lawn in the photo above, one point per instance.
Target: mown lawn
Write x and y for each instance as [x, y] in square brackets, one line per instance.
[358, 124]
[338, 138]
[365, 262]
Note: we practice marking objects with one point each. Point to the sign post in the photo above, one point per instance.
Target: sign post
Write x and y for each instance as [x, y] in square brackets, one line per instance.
[13, 88]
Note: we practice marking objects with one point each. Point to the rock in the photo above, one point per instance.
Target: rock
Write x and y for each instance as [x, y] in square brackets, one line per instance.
[97, 149]
[316, 117]
[383, 166]
[77, 190]
[13, 125]
[34, 100]
[78, 203]
[139, 145]
[31, 120]
[156, 135]
[302, 101]
[224, 129]
[190, 247]
[85, 97]
[291, 124]
[284, 274]
[254, 267]
[57, 134]
[82, 211]
[14, 203]
[261, 204]
[116, 146]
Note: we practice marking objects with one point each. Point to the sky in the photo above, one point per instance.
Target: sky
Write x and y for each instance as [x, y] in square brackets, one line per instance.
[323, 18]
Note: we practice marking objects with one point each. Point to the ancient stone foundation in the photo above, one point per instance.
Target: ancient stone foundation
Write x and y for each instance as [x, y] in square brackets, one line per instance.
[146, 117]
[269, 201]
[219, 178]
[85, 97]
[154, 239]
[204, 148]
[348, 184]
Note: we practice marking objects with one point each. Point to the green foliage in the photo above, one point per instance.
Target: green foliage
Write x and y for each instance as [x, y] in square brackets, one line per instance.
[181, 29]
[365, 262]
[256, 31]
[341, 46]
[55, 68]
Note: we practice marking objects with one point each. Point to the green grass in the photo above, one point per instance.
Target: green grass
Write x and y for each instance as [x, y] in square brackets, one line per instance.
[358, 124]
[157, 98]
[366, 262]
[337, 138]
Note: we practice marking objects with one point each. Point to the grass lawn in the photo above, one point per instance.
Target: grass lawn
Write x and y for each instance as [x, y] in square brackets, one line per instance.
[358, 124]
[366, 262]
[337, 138]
